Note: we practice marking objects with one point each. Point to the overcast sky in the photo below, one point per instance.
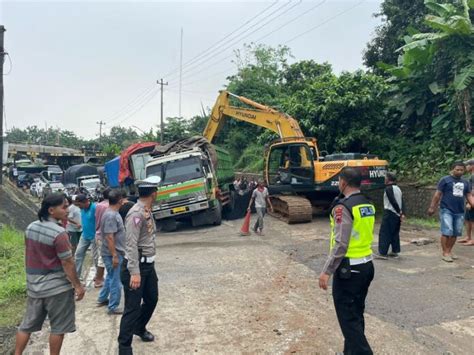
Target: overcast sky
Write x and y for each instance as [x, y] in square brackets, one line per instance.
[77, 63]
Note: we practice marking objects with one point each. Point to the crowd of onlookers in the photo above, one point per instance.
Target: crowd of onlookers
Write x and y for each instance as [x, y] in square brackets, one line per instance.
[243, 185]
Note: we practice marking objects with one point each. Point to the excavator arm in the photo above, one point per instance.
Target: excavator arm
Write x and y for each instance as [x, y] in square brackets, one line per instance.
[259, 115]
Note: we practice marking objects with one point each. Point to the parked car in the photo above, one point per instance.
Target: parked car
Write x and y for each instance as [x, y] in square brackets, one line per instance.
[51, 187]
[24, 180]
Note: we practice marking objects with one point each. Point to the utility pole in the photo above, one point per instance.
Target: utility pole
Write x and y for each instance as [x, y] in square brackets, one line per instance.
[162, 126]
[2, 57]
[100, 123]
[180, 73]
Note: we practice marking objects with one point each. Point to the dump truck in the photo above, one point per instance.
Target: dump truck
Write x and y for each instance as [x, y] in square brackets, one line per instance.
[196, 183]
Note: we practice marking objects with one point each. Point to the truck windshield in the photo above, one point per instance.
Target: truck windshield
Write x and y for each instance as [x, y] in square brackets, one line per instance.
[174, 172]
[89, 184]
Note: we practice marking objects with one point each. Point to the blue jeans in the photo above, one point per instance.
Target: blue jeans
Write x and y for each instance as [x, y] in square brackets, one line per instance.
[451, 223]
[112, 289]
[81, 250]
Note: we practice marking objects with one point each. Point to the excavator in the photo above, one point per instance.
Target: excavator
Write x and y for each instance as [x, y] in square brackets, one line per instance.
[300, 180]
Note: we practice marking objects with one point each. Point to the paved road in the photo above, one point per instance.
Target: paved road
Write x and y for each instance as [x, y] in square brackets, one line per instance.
[222, 293]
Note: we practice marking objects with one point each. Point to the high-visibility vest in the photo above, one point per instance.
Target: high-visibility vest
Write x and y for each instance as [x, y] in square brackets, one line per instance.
[362, 234]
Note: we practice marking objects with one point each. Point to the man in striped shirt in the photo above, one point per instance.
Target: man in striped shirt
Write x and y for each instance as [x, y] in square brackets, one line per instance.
[50, 276]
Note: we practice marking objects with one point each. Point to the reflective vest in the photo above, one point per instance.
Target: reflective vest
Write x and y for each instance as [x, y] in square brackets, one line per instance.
[362, 234]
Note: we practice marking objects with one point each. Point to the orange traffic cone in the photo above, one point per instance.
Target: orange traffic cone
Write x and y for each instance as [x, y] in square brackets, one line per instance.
[246, 226]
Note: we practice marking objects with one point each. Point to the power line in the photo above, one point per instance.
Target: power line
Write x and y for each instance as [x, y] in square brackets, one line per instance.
[138, 108]
[292, 20]
[205, 58]
[291, 39]
[129, 107]
[265, 36]
[224, 38]
[325, 22]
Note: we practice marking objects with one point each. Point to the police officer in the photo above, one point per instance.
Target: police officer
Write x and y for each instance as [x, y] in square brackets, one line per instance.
[350, 260]
[138, 274]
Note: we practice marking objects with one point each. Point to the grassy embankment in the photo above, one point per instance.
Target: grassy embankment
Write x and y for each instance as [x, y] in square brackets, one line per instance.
[12, 276]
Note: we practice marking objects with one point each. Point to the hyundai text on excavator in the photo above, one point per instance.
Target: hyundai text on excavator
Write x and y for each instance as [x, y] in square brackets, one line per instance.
[301, 182]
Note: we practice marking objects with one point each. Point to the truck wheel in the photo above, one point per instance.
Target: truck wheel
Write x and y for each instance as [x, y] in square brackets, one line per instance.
[218, 214]
[227, 210]
[168, 225]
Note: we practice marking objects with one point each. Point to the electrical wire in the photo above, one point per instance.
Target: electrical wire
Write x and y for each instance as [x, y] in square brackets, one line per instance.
[325, 22]
[224, 38]
[291, 39]
[265, 36]
[238, 40]
[130, 106]
[138, 108]
[292, 20]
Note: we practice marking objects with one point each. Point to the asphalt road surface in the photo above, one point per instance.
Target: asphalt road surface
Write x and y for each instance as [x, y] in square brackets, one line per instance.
[223, 293]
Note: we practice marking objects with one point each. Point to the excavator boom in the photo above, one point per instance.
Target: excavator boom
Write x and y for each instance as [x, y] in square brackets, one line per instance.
[260, 115]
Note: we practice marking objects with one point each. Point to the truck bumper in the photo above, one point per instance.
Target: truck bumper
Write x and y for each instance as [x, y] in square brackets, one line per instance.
[181, 211]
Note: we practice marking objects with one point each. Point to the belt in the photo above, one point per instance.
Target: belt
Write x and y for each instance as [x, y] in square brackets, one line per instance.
[147, 259]
[359, 261]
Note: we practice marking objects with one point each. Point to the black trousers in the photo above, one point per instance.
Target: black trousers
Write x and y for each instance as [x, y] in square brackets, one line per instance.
[389, 234]
[139, 304]
[349, 300]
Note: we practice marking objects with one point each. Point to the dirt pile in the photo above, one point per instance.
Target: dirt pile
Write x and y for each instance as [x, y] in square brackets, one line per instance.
[16, 207]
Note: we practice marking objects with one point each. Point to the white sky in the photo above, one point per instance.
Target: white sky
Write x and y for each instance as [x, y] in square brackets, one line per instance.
[76, 63]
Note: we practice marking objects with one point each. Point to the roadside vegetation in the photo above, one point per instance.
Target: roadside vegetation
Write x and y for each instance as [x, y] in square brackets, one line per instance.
[13, 279]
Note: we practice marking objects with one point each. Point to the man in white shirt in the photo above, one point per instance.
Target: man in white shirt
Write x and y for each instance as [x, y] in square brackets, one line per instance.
[261, 197]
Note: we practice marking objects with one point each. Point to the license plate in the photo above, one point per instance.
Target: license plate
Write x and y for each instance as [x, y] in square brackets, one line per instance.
[179, 209]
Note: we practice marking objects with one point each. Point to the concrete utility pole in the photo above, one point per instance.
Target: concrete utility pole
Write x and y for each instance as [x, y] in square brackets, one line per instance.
[162, 126]
[100, 123]
[2, 57]
[180, 73]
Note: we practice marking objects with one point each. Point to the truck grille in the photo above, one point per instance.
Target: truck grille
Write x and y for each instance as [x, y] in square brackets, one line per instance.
[178, 203]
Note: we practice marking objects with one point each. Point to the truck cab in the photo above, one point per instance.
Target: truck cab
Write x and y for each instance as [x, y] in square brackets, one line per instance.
[188, 188]
[89, 182]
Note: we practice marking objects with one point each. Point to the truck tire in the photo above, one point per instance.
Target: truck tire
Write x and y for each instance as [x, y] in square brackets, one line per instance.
[218, 214]
[227, 210]
[168, 225]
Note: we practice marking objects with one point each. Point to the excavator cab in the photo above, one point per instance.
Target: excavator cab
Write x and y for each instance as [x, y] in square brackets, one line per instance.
[290, 166]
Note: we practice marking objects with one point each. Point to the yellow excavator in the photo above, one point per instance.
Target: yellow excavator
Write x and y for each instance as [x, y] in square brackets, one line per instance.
[301, 182]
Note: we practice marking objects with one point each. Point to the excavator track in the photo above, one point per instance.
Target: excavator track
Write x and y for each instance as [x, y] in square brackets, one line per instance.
[292, 209]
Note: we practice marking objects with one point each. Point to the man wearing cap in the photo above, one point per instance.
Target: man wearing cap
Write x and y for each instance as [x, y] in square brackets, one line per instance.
[469, 215]
[138, 273]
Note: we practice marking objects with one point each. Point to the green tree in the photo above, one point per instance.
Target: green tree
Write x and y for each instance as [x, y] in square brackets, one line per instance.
[433, 89]
[121, 137]
[399, 17]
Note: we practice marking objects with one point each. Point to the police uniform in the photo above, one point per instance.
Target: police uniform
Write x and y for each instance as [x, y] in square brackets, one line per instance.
[350, 261]
[140, 303]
